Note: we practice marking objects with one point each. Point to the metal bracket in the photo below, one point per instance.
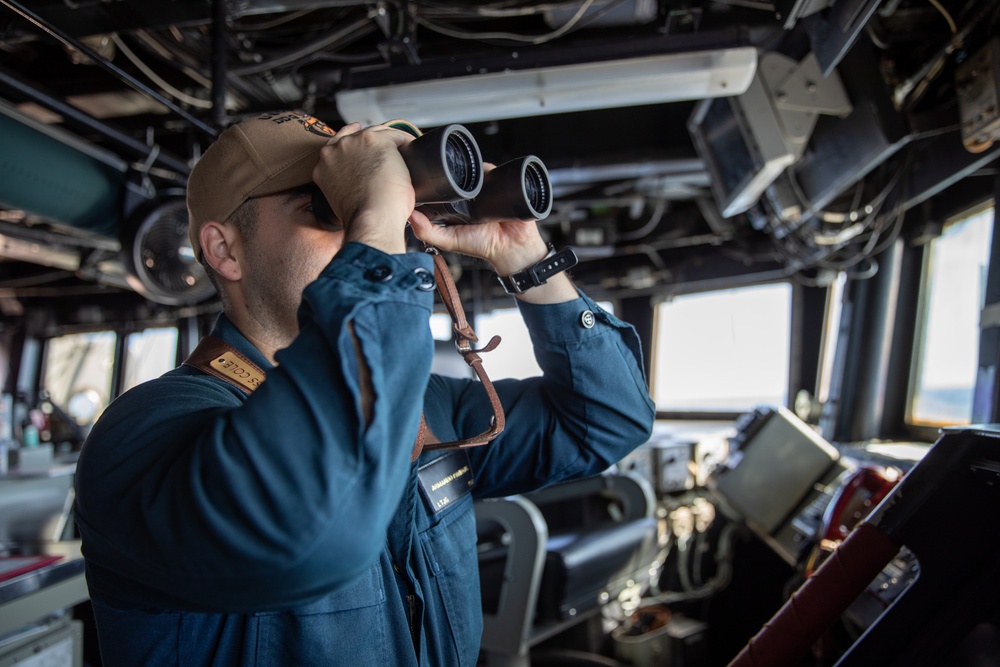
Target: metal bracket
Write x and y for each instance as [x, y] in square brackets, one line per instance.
[989, 317]
[509, 631]
[977, 84]
[800, 94]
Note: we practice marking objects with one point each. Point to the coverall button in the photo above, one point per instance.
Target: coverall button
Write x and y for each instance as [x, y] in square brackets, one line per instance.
[427, 282]
[587, 319]
[379, 274]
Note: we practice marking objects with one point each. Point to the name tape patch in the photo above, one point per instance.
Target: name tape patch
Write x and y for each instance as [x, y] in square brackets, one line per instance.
[232, 366]
[446, 480]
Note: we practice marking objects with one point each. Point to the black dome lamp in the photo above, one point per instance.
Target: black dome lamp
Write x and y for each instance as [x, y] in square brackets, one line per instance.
[158, 258]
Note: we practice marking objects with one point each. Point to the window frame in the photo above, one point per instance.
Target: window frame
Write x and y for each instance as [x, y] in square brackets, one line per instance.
[119, 357]
[923, 430]
[720, 415]
[44, 360]
[127, 338]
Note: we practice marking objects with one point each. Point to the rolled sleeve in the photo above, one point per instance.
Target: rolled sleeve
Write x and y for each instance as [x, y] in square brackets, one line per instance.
[589, 409]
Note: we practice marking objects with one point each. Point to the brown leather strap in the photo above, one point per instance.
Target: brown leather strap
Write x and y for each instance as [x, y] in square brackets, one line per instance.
[464, 337]
[452, 301]
[220, 359]
[425, 438]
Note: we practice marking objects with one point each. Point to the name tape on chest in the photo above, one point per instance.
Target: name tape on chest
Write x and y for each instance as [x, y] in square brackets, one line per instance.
[446, 480]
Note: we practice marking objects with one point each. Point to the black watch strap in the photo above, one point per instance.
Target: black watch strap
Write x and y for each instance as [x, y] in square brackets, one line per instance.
[533, 276]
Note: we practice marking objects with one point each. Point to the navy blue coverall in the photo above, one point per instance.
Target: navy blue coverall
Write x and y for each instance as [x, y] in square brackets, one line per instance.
[284, 529]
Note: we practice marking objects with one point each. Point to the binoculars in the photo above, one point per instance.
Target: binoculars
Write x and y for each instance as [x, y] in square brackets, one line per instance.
[452, 188]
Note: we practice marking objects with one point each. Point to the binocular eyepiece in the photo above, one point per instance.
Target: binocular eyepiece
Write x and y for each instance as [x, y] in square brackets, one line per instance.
[452, 187]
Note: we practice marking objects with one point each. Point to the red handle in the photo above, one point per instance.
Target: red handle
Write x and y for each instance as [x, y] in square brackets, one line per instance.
[876, 481]
[820, 601]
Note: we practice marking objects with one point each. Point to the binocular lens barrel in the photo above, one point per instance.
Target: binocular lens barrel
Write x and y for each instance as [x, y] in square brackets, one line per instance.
[516, 190]
[459, 159]
[445, 165]
[451, 186]
[537, 189]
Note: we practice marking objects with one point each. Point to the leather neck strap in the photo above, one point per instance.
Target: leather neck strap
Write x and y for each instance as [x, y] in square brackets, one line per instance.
[464, 337]
[219, 359]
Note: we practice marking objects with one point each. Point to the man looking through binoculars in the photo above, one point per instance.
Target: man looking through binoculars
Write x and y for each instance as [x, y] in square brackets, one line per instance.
[229, 520]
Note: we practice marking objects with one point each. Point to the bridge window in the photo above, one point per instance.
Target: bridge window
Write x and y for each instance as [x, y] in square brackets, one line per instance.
[947, 349]
[77, 372]
[441, 327]
[514, 358]
[149, 354]
[724, 351]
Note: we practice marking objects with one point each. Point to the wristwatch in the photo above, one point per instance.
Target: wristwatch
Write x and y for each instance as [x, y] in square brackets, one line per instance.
[533, 276]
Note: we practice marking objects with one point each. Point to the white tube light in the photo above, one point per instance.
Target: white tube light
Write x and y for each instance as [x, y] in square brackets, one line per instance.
[514, 94]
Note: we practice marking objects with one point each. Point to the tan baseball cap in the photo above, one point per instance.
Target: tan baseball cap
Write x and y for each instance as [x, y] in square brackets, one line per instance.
[256, 157]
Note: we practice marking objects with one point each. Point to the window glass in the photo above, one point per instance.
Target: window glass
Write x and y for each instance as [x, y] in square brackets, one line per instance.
[514, 358]
[78, 370]
[723, 351]
[149, 354]
[948, 336]
[441, 326]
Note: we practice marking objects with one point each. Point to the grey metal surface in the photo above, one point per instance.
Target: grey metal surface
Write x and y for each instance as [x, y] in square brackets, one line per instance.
[32, 596]
[508, 631]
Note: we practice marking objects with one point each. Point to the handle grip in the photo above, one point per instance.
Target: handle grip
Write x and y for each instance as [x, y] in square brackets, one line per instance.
[820, 601]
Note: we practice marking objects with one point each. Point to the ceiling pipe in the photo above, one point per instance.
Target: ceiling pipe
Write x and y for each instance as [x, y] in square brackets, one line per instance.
[108, 65]
[219, 63]
[60, 107]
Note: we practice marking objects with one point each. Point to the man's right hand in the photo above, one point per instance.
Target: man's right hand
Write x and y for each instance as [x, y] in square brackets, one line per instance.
[364, 178]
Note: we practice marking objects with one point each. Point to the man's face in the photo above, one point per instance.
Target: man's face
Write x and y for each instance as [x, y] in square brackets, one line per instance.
[288, 250]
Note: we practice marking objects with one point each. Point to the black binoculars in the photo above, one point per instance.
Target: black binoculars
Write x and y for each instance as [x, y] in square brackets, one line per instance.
[452, 188]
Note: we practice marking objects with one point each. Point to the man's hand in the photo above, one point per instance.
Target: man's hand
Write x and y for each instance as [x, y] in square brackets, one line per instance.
[364, 178]
[510, 246]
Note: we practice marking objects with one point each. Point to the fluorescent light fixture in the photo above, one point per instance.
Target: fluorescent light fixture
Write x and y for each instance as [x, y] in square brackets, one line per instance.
[514, 94]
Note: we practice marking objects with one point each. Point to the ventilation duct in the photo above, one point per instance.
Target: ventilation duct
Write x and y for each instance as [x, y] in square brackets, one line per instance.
[48, 173]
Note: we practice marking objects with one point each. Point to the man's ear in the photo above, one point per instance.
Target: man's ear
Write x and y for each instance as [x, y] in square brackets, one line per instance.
[218, 242]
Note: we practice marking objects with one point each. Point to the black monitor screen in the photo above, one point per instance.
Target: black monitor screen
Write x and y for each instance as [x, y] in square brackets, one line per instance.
[725, 148]
[778, 462]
